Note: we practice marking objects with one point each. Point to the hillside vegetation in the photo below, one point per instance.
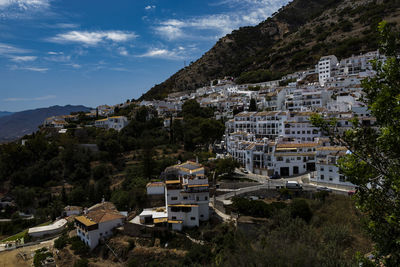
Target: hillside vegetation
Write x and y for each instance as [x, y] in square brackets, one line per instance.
[293, 39]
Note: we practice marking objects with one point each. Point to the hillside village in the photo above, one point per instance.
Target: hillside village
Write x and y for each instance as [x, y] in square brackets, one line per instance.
[275, 136]
[268, 132]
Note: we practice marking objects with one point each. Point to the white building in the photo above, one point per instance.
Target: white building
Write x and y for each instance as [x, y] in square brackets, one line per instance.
[188, 168]
[327, 171]
[187, 197]
[72, 210]
[155, 188]
[293, 158]
[105, 110]
[51, 229]
[326, 67]
[298, 126]
[97, 224]
[117, 123]
[359, 63]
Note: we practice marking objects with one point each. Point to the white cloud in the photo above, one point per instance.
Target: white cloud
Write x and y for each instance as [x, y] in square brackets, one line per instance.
[55, 53]
[246, 13]
[40, 98]
[162, 53]
[149, 7]
[122, 51]
[24, 9]
[93, 38]
[66, 25]
[35, 69]
[6, 49]
[169, 32]
[24, 4]
[58, 58]
[23, 58]
[74, 65]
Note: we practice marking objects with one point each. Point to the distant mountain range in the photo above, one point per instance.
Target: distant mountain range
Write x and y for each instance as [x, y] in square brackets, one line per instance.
[5, 113]
[16, 125]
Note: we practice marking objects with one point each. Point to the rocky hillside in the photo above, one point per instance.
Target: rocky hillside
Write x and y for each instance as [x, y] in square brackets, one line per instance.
[293, 39]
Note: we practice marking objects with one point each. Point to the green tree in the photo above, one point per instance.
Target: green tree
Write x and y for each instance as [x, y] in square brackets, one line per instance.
[191, 108]
[227, 165]
[253, 105]
[374, 162]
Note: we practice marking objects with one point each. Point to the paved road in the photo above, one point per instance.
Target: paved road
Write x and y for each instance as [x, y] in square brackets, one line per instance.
[266, 183]
[281, 182]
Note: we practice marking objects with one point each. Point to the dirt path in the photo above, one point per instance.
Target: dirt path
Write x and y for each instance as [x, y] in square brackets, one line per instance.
[16, 257]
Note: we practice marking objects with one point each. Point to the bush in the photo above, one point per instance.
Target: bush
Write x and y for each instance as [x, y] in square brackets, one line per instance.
[300, 208]
[41, 255]
[81, 263]
[61, 242]
[337, 235]
[322, 195]
[200, 254]
[131, 244]
[79, 247]
[256, 208]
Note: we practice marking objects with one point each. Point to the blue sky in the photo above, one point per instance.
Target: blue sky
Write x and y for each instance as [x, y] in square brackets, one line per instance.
[92, 52]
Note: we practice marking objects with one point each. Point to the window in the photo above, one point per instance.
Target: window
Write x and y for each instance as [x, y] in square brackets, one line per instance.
[192, 218]
[205, 198]
[174, 198]
[322, 177]
[184, 197]
[330, 170]
[330, 178]
[342, 178]
[173, 217]
[197, 198]
[322, 169]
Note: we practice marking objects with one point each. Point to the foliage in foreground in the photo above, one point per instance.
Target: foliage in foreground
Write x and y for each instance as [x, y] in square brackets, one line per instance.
[374, 162]
[332, 237]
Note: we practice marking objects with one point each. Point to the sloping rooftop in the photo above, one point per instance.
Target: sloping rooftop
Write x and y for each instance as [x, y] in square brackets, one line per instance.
[155, 184]
[85, 221]
[99, 216]
[103, 205]
[296, 145]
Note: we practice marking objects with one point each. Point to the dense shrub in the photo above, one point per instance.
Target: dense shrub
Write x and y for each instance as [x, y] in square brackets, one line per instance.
[61, 242]
[256, 208]
[81, 263]
[41, 255]
[300, 208]
[78, 246]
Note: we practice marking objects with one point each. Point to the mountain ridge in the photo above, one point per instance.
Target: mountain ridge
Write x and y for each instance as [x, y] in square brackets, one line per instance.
[291, 40]
[5, 113]
[18, 124]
